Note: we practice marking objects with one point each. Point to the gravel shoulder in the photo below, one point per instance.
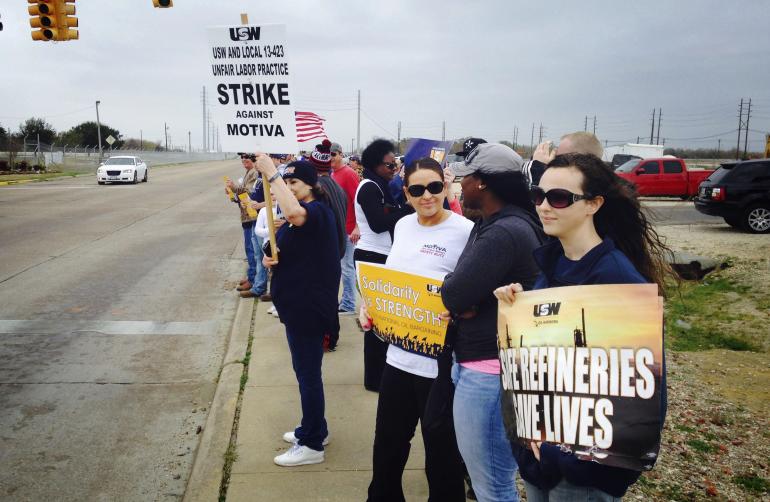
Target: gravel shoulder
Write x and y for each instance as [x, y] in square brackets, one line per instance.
[716, 442]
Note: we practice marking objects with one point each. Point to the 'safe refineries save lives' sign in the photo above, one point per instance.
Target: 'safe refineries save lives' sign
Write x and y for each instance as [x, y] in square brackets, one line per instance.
[252, 90]
[582, 367]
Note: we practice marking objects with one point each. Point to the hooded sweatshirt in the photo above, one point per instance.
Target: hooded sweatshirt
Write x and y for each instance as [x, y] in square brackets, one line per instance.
[498, 252]
[604, 264]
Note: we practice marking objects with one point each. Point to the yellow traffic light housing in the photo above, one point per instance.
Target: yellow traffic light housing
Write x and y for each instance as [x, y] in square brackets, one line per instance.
[163, 4]
[53, 18]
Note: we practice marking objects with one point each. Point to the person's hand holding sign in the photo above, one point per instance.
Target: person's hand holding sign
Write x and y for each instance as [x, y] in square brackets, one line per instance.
[507, 294]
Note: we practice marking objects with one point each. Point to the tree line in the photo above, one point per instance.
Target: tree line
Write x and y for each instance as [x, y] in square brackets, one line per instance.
[82, 135]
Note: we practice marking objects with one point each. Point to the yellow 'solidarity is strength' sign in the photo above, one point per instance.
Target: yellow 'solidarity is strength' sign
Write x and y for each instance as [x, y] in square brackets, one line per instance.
[405, 308]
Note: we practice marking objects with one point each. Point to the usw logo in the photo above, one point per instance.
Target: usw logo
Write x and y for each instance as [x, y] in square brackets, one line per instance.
[546, 309]
[244, 33]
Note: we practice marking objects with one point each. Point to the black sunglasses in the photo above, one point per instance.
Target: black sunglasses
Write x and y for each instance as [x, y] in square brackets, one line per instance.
[390, 165]
[558, 198]
[434, 187]
[334, 154]
[252, 158]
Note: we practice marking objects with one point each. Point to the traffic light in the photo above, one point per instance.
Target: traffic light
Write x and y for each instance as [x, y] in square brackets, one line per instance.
[163, 4]
[53, 18]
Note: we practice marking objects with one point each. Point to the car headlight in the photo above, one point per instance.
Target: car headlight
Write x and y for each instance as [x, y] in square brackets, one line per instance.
[128, 171]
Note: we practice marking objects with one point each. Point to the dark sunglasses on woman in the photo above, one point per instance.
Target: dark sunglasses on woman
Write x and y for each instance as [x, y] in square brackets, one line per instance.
[434, 187]
[558, 198]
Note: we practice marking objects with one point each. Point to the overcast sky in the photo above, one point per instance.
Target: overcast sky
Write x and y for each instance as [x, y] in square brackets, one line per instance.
[484, 67]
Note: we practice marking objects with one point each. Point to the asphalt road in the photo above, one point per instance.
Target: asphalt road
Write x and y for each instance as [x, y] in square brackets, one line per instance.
[676, 212]
[115, 305]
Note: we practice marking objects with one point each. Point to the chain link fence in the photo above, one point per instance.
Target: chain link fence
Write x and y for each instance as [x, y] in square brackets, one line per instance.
[22, 156]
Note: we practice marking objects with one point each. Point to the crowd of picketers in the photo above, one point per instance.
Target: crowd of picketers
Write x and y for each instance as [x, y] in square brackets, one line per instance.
[562, 218]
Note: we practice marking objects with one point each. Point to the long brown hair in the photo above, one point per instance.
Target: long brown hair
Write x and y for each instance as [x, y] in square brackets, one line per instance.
[621, 217]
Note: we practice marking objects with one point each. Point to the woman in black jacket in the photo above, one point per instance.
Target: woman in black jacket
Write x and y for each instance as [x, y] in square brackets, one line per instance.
[499, 248]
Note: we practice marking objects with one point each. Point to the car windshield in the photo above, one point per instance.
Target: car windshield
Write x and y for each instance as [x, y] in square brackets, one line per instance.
[628, 166]
[119, 162]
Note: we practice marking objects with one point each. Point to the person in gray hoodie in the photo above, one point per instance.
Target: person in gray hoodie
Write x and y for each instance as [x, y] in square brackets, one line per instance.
[500, 247]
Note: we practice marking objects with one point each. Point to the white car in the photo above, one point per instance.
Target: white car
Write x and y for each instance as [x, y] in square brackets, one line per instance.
[125, 168]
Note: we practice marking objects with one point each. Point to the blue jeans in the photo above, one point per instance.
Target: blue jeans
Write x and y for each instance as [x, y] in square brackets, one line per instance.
[306, 355]
[248, 231]
[259, 284]
[481, 435]
[348, 278]
[567, 492]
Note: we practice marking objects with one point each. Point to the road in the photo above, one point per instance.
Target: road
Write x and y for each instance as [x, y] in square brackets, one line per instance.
[676, 212]
[115, 305]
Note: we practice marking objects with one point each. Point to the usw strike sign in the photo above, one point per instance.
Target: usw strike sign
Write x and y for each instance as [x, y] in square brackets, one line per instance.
[405, 308]
[582, 367]
[251, 78]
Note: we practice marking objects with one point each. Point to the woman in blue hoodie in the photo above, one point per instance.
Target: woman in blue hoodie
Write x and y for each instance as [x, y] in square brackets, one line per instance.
[602, 237]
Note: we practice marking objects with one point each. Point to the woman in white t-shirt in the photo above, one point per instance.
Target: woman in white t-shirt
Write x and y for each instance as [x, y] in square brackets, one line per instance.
[428, 242]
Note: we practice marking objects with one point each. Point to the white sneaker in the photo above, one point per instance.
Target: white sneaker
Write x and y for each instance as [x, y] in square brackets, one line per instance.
[289, 437]
[299, 455]
[272, 311]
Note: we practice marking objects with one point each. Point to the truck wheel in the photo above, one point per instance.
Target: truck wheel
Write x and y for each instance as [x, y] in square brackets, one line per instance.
[756, 219]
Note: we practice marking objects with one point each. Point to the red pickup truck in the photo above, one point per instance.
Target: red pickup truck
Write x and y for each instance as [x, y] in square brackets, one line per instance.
[665, 176]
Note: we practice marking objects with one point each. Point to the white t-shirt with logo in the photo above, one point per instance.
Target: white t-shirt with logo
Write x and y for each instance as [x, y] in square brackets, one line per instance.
[430, 251]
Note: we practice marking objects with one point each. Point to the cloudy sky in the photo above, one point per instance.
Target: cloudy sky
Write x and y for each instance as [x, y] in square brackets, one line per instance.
[483, 67]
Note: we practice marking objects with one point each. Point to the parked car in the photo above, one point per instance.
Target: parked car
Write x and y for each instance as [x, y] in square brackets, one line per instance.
[124, 168]
[739, 192]
[664, 176]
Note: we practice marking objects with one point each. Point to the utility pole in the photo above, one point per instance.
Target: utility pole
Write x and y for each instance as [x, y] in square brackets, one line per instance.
[540, 138]
[746, 135]
[637, 140]
[652, 126]
[358, 123]
[594, 125]
[719, 146]
[657, 138]
[189, 142]
[165, 130]
[99, 131]
[398, 145]
[141, 141]
[205, 127]
[532, 141]
[352, 146]
[443, 130]
[740, 125]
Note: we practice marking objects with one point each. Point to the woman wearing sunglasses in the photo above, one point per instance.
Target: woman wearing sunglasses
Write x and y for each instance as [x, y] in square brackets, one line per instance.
[498, 252]
[427, 243]
[602, 237]
[376, 215]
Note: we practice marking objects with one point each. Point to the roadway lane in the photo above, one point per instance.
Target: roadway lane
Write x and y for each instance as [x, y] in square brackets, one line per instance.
[677, 212]
[115, 305]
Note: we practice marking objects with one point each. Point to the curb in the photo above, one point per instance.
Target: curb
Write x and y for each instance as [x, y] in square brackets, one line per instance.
[206, 476]
[15, 182]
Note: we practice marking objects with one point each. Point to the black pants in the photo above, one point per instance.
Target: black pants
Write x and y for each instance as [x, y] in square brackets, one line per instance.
[374, 348]
[401, 403]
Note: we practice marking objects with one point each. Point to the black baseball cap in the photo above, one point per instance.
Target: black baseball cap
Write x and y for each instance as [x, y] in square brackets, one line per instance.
[469, 144]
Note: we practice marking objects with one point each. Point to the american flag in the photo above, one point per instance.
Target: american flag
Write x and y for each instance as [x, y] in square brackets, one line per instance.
[309, 126]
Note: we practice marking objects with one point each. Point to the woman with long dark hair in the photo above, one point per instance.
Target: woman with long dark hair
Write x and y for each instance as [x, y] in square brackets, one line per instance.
[499, 249]
[602, 237]
[306, 277]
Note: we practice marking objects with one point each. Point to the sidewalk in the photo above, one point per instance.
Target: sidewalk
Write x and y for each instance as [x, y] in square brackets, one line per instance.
[271, 407]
